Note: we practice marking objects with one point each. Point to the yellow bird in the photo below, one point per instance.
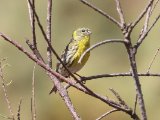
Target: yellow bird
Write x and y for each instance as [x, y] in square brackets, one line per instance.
[78, 44]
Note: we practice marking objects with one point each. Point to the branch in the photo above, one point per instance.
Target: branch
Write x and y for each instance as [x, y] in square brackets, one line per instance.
[50, 46]
[106, 114]
[48, 32]
[33, 101]
[118, 75]
[142, 14]
[101, 12]
[135, 104]
[143, 36]
[19, 110]
[35, 51]
[132, 59]
[64, 94]
[56, 75]
[120, 12]
[32, 21]
[5, 92]
[121, 101]
[153, 60]
[99, 44]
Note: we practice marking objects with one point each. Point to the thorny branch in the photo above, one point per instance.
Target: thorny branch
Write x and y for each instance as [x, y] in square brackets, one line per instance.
[60, 87]
[131, 49]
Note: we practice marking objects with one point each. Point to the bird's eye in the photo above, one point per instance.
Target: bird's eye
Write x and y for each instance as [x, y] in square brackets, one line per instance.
[83, 30]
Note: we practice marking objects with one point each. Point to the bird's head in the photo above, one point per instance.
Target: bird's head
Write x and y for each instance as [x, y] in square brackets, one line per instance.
[81, 32]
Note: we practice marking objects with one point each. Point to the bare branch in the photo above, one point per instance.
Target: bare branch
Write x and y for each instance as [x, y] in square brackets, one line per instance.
[106, 114]
[60, 87]
[19, 110]
[64, 94]
[120, 12]
[135, 104]
[99, 44]
[48, 32]
[143, 36]
[145, 26]
[154, 6]
[33, 101]
[35, 51]
[147, 18]
[121, 101]
[143, 13]
[118, 75]
[32, 21]
[50, 46]
[5, 92]
[101, 12]
[54, 75]
[153, 60]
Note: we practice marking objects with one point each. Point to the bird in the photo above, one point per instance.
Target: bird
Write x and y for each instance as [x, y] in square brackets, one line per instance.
[78, 44]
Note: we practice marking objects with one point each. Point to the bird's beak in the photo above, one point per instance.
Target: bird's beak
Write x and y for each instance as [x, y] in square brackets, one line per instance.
[89, 32]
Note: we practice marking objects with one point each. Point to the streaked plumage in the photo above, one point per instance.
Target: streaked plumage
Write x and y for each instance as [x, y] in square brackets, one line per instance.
[78, 44]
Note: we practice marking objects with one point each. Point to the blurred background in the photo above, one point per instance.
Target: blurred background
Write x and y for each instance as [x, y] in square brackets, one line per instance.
[109, 58]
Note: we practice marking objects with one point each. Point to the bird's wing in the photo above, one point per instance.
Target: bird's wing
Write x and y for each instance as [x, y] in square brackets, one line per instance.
[67, 55]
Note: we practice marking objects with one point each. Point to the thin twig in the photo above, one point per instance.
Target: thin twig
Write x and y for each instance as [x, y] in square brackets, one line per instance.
[35, 51]
[5, 92]
[101, 12]
[46, 39]
[48, 32]
[6, 117]
[154, 6]
[35, 59]
[19, 110]
[155, 21]
[148, 14]
[142, 14]
[33, 101]
[120, 12]
[145, 26]
[150, 65]
[135, 105]
[32, 21]
[99, 44]
[143, 36]
[106, 114]
[33, 45]
[118, 75]
[121, 101]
